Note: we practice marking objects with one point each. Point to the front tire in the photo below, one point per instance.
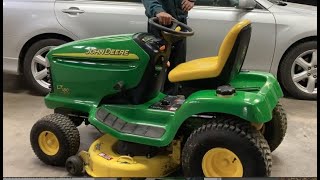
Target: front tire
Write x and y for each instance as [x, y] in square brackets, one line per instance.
[298, 71]
[74, 116]
[35, 64]
[54, 138]
[229, 148]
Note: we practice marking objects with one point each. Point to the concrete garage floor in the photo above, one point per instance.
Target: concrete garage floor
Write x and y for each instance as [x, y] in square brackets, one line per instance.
[296, 156]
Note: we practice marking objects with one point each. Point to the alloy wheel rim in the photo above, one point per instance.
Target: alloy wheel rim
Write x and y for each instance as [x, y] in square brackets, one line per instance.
[39, 66]
[304, 72]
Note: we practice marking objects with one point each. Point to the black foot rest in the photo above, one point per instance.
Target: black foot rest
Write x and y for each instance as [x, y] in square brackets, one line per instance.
[118, 124]
[169, 103]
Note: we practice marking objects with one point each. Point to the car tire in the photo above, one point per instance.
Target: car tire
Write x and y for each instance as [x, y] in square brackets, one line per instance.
[235, 139]
[34, 65]
[54, 138]
[295, 65]
[275, 130]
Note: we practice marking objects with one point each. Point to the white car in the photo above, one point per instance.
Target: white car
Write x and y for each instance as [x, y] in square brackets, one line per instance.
[283, 42]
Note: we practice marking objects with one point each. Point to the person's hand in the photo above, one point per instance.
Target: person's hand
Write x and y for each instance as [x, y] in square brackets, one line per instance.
[164, 18]
[168, 63]
[187, 5]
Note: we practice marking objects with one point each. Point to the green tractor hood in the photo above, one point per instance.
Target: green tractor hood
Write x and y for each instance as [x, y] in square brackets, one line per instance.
[88, 70]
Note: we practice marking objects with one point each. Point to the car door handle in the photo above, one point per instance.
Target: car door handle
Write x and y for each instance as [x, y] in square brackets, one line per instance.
[73, 11]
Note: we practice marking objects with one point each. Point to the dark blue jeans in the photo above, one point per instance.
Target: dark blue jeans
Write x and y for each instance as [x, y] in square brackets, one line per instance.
[177, 56]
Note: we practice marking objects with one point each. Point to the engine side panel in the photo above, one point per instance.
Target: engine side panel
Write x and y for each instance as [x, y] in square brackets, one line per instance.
[89, 69]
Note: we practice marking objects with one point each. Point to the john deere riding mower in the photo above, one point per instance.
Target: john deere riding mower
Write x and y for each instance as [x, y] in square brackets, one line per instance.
[224, 123]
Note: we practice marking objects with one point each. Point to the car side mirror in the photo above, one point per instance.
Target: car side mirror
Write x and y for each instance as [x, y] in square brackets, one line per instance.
[247, 4]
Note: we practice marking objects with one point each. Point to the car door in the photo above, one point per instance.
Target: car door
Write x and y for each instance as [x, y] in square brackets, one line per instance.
[91, 18]
[212, 19]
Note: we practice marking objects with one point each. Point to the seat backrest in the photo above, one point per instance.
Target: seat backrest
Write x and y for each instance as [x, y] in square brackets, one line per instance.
[233, 50]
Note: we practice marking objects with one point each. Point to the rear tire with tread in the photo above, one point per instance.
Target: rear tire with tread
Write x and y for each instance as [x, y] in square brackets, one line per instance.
[276, 129]
[233, 134]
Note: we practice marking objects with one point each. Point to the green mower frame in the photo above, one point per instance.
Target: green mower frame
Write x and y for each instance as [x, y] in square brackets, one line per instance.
[114, 84]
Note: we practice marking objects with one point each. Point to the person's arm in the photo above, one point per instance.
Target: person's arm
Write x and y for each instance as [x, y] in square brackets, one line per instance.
[153, 7]
[187, 5]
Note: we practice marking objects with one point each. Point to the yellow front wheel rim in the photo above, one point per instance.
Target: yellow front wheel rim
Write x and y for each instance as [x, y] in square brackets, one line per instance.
[48, 143]
[221, 162]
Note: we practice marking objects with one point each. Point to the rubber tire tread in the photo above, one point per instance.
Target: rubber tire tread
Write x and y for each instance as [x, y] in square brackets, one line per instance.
[275, 130]
[78, 165]
[66, 132]
[235, 128]
[76, 120]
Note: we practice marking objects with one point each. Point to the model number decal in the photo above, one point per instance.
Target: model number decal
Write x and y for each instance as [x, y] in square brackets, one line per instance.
[108, 51]
[62, 89]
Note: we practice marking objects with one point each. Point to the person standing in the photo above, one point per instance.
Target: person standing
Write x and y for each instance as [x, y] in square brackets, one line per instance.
[165, 10]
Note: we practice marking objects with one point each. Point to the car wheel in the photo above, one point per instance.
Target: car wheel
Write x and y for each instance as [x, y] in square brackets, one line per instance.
[298, 71]
[35, 65]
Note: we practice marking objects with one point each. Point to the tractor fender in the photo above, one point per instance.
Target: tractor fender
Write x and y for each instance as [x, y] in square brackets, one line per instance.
[252, 107]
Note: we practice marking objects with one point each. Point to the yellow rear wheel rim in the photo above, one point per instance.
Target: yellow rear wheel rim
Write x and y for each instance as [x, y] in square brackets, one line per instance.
[48, 143]
[221, 162]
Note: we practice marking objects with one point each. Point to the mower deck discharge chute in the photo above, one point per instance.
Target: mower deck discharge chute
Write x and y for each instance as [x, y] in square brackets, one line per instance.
[224, 123]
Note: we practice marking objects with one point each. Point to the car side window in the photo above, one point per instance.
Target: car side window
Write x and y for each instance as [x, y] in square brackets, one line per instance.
[217, 3]
[221, 3]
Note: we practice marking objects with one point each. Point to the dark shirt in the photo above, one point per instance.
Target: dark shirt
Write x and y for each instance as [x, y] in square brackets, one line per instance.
[172, 7]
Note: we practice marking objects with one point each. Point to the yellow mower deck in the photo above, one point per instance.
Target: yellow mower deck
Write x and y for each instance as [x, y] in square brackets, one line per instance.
[102, 161]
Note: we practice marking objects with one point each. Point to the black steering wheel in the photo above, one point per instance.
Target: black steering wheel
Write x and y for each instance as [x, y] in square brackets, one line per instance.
[172, 30]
